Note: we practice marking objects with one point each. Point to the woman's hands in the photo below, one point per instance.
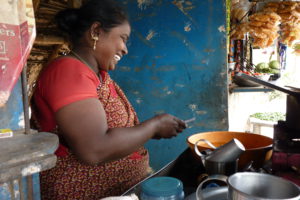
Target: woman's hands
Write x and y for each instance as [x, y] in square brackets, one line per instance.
[83, 125]
[167, 126]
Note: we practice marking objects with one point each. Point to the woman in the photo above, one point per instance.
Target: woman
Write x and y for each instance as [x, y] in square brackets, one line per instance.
[101, 140]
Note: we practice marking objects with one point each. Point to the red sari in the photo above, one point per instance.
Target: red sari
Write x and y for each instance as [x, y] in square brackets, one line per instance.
[71, 178]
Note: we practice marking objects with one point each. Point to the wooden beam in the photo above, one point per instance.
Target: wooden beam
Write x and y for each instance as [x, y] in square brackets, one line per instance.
[36, 4]
[49, 40]
[74, 3]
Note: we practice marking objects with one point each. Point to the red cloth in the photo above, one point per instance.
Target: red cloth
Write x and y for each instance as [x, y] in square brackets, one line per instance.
[284, 161]
[63, 82]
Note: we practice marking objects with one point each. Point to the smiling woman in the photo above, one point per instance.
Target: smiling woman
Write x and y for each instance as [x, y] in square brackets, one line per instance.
[101, 149]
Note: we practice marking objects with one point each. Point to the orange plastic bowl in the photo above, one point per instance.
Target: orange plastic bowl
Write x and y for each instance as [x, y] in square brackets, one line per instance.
[256, 145]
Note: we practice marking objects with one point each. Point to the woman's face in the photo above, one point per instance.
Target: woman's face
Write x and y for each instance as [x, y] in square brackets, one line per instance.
[111, 46]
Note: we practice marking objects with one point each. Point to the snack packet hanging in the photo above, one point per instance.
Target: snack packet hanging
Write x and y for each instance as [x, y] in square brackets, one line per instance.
[17, 35]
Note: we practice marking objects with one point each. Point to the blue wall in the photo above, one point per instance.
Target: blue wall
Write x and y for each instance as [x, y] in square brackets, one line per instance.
[11, 115]
[177, 64]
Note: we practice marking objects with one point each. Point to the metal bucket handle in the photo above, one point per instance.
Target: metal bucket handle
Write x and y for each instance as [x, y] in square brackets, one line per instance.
[218, 178]
[207, 142]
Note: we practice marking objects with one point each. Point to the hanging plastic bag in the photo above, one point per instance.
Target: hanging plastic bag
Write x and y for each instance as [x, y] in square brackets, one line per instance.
[17, 34]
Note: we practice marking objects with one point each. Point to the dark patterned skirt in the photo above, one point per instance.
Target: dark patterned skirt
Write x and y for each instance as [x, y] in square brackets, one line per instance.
[71, 179]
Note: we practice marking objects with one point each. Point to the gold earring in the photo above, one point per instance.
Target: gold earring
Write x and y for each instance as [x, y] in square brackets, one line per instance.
[95, 38]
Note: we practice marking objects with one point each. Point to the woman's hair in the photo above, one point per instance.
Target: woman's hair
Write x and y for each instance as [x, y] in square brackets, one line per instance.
[77, 21]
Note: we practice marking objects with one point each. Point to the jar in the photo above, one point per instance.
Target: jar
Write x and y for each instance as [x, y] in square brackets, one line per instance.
[162, 188]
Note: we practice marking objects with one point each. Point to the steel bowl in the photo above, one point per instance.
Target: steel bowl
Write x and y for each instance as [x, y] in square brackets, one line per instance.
[258, 186]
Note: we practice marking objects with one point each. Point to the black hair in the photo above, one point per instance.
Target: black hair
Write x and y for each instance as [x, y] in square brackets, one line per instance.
[75, 22]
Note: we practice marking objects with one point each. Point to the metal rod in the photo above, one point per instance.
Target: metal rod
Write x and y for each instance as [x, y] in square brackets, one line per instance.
[25, 100]
[189, 120]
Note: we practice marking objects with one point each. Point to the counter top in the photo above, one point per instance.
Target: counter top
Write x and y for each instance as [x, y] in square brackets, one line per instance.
[23, 155]
[186, 168]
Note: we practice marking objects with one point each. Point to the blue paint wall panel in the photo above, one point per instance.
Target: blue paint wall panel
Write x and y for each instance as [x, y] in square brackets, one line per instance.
[180, 70]
[5, 193]
[36, 186]
[12, 113]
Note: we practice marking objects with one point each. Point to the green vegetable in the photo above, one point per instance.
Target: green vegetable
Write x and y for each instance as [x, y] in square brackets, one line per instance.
[261, 68]
[296, 46]
[269, 116]
[273, 67]
[274, 71]
[274, 64]
[266, 70]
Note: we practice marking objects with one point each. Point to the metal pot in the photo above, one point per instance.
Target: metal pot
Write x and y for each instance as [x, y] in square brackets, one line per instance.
[225, 168]
[258, 186]
[247, 186]
[206, 192]
[223, 160]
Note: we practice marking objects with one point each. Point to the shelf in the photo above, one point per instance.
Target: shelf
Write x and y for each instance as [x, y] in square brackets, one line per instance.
[234, 88]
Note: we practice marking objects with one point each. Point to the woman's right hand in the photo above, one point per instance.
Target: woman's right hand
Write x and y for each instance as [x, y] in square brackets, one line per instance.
[167, 126]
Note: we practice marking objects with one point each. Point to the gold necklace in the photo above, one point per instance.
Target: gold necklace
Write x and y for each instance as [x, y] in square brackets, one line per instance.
[82, 60]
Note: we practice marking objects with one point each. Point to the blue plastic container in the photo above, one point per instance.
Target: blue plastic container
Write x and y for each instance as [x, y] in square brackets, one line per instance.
[162, 188]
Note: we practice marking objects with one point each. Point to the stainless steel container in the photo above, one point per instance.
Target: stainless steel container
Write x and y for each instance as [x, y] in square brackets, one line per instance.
[224, 159]
[225, 168]
[258, 186]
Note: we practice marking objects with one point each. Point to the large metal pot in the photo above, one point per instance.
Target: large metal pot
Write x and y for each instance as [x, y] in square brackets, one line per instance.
[258, 186]
[247, 186]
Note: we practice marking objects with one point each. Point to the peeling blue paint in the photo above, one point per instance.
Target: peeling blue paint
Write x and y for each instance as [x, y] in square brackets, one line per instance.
[5, 191]
[18, 189]
[11, 112]
[177, 71]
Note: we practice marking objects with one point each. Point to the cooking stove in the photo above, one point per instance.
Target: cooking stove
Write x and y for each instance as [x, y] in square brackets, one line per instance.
[286, 136]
